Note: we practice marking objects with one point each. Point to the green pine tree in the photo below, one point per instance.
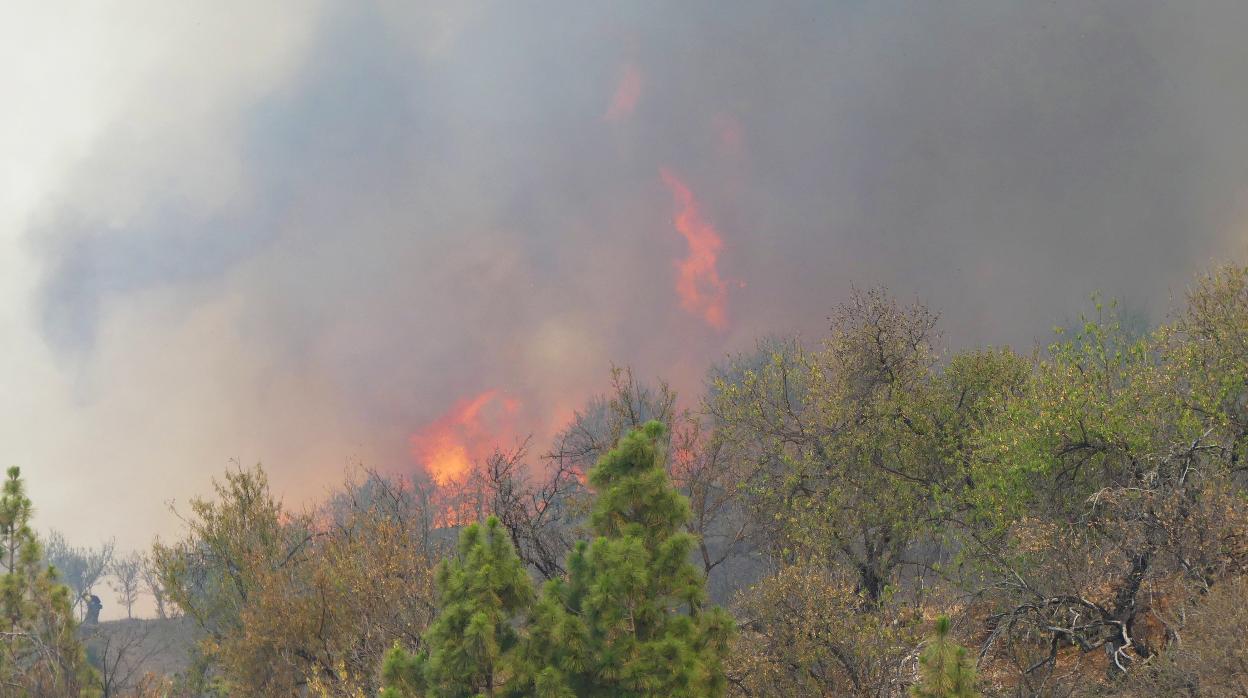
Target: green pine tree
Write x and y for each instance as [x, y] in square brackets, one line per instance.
[40, 653]
[945, 668]
[631, 619]
[468, 647]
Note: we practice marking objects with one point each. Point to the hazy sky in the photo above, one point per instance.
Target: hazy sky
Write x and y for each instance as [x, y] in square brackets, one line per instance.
[303, 233]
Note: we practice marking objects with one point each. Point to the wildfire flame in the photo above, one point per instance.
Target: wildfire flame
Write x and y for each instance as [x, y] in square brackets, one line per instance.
[701, 290]
[627, 92]
[448, 446]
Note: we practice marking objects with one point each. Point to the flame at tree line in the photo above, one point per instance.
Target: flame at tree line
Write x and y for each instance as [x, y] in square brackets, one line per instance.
[447, 447]
[474, 426]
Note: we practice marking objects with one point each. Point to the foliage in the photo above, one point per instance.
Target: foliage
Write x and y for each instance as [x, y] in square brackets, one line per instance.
[286, 598]
[631, 617]
[1082, 511]
[40, 654]
[850, 454]
[945, 668]
[1101, 489]
[599, 425]
[121, 651]
[127, 571]
[1210, 659]
[469, 647]
[543, 516]
[149, 575]
[807, 632]
[545, 509]
[79, 568]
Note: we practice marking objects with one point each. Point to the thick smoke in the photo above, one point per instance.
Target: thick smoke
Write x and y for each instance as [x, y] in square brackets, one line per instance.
[309, 262]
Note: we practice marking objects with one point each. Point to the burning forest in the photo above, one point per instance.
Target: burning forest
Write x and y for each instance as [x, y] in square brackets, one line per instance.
[710, 348]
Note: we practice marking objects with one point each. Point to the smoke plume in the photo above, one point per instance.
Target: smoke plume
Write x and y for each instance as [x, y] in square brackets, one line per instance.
[329, 239]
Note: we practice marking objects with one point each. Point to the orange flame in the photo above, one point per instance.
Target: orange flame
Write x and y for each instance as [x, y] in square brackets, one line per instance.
[448, 446]
[701, 290]
[627, 92]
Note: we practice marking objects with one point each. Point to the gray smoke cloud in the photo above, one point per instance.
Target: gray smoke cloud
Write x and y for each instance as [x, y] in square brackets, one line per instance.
[422, 205]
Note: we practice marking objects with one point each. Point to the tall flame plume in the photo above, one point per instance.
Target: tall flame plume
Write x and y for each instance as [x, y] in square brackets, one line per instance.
[702, 292]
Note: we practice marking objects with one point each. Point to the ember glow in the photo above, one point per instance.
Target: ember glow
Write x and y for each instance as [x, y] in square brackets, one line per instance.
[627, 92]
[448, 447]
[702, 292]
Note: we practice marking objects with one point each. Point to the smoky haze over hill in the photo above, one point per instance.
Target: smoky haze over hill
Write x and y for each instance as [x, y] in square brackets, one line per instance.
[304, 238]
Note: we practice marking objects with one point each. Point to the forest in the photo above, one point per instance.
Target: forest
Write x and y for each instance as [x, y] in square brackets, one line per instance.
[868, 514]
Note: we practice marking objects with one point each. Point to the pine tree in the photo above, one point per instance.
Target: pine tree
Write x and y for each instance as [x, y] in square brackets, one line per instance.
[40, 653]
[468, 647]
[631, 618]
[945, 669]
